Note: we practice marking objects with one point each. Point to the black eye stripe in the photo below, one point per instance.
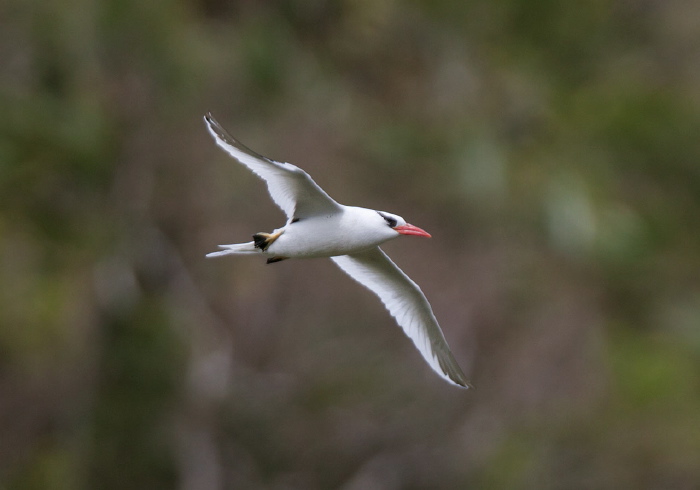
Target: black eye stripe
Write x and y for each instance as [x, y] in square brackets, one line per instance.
[390, 221]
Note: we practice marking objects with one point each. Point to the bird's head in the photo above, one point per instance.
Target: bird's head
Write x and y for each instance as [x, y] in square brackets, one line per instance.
[399, 225]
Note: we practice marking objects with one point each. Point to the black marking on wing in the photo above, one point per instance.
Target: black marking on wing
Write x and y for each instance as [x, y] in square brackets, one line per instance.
[295, 220]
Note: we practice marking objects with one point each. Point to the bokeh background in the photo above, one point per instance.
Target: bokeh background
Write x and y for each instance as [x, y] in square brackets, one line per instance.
[551, 148]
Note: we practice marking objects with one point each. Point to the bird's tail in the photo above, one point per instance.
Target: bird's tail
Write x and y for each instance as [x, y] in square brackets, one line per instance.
[236, 248]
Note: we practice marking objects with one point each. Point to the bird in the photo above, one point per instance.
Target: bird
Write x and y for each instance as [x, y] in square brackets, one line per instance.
[319, 227]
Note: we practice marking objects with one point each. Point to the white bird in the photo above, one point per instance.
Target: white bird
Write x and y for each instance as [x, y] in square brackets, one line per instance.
[317, 226]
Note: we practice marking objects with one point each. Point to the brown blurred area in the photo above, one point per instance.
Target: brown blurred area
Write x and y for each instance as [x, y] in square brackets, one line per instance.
[552, 150]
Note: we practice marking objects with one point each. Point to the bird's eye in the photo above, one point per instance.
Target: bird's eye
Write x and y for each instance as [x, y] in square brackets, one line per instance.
[390, 221]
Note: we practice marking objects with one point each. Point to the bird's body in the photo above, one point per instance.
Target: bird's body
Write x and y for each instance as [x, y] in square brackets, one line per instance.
[317, 227]
[302, 239]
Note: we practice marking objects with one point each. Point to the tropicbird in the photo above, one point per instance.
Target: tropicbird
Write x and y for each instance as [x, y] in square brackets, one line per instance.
[318, 226]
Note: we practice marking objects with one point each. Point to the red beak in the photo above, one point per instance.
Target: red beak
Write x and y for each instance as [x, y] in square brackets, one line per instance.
[411, 230]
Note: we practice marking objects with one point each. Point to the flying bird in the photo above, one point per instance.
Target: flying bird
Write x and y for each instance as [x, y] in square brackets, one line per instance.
[318, 226]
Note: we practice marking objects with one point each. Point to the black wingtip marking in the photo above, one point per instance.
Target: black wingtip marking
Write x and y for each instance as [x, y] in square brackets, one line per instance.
[295, 220]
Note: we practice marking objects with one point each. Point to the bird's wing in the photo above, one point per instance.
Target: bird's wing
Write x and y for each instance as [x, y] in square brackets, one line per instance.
[407, 303]
[290, 187]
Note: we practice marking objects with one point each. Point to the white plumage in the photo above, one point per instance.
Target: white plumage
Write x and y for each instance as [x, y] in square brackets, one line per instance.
[317, 226]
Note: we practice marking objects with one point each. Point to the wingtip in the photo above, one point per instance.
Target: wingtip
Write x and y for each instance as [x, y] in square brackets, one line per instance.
[217, 131]
[447, 366]
[209, 119]
[462, 383]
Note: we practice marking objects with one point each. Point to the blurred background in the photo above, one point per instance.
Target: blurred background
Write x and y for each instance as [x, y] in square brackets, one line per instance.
[551, 148]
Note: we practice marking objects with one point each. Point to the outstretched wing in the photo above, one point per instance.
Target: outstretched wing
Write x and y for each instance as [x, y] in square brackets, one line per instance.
[290, 187]
[407, 303]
